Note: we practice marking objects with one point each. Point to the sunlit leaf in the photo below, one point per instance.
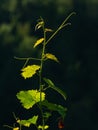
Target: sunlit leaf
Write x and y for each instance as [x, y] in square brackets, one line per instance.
[18, 120]
[51, 84]
[41, 127]
[30, 97]
[51, 56]
[16, 128]
[30, 121]
[33, 120]
[29, 71]
[54, 107]
[25, 123]
[38, 42]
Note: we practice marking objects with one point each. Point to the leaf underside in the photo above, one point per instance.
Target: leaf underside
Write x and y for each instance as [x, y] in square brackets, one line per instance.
[51, 85]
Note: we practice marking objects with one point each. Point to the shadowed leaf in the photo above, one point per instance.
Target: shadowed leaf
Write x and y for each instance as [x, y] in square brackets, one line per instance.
[54, 107]
[51, 84]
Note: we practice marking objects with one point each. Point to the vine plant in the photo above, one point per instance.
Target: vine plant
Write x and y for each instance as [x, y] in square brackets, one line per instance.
[30, 98]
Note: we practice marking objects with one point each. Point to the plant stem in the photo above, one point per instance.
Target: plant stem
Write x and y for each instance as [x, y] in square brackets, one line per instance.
[42, 60]
[40, 75]
[60, 27]
[30, 58]
[8, 126]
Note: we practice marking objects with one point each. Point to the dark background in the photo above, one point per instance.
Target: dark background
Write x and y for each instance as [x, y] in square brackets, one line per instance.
[75, 46]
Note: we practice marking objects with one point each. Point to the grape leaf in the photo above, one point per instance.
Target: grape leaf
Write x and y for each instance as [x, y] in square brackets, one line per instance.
[54, 107]
[30, 97]
[51, 57]
[29, 71]
[28, 122]
[51, 84]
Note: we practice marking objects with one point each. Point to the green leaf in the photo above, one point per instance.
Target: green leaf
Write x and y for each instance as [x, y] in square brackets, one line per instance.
[51, 57]
[39, 41]
[51, 84]
[28, 122]
[30, 98]
[29, 71]
[54, 107]
[25, 123]
[47, 115]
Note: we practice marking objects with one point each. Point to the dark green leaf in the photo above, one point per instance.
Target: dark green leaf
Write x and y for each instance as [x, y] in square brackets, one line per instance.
[54, 107]
[51, 84]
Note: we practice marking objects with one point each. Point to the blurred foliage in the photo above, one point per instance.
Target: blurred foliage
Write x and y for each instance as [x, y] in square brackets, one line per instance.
[78, 56]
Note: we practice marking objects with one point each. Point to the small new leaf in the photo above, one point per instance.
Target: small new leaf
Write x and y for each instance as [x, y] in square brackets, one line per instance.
[51, 56]
[38, 42]
[39, 25]
[25, 123]
[29, 71]
[28, 122]
[30, 97]
[46, 114]
[16, 128]
[41, 127]
[51, 85]
[48, 30]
